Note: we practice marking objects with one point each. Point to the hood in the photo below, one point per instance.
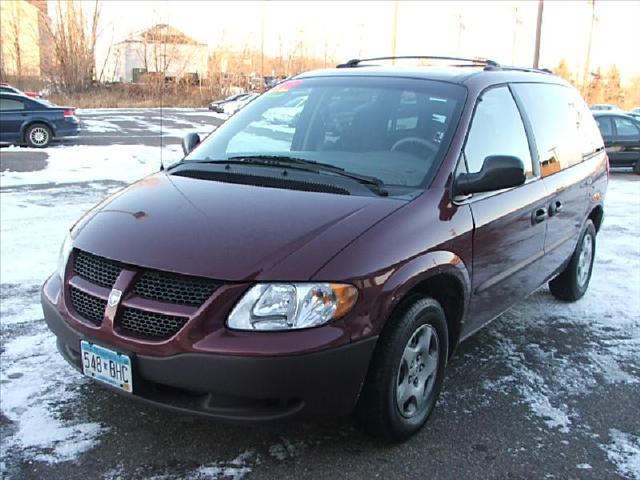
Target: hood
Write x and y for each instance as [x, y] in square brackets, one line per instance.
[227, 231]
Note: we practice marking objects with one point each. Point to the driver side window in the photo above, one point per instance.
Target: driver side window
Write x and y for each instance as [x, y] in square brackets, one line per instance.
[497, 129]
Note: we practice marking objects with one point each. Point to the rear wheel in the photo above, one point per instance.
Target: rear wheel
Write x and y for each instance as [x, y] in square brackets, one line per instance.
[572, 283]
[636, 167]
[38, 135]
[406, 373]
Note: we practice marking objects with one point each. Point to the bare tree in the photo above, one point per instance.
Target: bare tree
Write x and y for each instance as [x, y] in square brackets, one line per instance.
[74, 40]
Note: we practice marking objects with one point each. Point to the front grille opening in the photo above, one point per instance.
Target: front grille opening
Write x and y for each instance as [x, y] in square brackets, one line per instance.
[150, 324]
[174, 288]
[98, 270]
[88, 307]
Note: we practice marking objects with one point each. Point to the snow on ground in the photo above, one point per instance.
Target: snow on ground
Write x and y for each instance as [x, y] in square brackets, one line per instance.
[110, 112]
[37, 209]
[90, 163]
[99, 126]
[624, 452]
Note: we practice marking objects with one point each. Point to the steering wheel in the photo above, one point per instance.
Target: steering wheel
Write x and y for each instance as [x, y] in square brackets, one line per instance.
[421, 141]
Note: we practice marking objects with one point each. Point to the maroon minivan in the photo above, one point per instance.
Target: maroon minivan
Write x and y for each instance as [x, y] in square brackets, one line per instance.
[327, 248]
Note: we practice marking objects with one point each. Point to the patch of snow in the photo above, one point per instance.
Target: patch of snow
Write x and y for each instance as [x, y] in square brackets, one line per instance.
[533, 389]
[99, 126]
[90, 163]
[624, 453]
[36, 222]
[236, 469]
[584, 466]
[36, 385]
[548, 375]
[287, 449]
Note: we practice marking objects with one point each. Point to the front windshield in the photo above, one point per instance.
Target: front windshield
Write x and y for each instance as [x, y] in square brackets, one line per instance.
[394, 129]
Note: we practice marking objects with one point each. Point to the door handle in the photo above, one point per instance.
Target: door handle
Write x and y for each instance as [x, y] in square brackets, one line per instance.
[555, 207]
[539, 215]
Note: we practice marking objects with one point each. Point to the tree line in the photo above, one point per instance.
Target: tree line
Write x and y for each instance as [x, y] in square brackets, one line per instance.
[603, 86]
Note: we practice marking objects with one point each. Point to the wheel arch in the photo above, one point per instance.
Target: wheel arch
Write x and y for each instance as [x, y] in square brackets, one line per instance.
[441, 275]
[36, 121]
[596, 216]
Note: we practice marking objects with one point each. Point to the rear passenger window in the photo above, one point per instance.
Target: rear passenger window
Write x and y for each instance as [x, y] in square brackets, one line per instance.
[626, 127]
[7, 104]
[497, 129]
[555, 119]
[604, 124]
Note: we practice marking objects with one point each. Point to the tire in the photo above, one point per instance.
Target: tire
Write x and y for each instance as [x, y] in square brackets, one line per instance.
[636, 168]
[38, 135]
[572, 283]
[382, 410]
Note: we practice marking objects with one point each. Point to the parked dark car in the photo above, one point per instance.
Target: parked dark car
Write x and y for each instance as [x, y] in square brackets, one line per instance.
[6, 88]
[34, 122]
[605, 107]
[635, 113]
[334, 266]
[621, 135]
[218, 105]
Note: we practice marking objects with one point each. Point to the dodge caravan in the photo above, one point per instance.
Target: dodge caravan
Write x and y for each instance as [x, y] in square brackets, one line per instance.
[332, 264]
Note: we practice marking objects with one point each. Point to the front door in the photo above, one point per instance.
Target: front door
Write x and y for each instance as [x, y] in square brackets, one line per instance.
[11, 118]
[627, 140]
[509, 225]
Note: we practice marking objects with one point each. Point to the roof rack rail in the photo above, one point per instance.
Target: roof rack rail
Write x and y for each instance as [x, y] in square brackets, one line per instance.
[472, 61]
[520, 69]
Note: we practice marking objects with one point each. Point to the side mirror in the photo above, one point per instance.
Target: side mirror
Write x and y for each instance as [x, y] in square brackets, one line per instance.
[498, 172]
[189, 142]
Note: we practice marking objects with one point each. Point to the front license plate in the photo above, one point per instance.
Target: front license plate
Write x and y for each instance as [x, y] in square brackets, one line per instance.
[107, 366]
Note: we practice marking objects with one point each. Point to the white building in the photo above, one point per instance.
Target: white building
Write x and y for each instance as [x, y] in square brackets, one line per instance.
[160, 49]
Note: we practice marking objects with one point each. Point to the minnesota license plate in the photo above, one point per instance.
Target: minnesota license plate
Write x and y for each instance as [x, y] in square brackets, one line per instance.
[106, 366]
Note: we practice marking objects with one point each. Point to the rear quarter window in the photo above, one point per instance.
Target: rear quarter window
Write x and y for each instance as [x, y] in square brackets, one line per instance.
[626, 128]
[10, 104]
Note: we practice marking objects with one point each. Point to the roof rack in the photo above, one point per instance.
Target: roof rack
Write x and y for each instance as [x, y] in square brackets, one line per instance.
[519, 69]
[471, 61]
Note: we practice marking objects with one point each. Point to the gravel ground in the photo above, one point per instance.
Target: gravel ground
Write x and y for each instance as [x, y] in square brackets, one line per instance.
[548, 390]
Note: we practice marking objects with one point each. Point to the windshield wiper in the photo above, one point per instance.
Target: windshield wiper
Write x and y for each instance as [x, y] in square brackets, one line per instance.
[373, 183]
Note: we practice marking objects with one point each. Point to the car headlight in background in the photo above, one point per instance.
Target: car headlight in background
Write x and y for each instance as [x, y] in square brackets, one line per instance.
[65, 251]
[287, 306]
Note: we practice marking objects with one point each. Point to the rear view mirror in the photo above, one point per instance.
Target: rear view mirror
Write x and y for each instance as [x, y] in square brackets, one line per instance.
[498, 172]
[189, 142]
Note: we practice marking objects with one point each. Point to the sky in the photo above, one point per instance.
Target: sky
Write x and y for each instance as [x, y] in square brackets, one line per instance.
[500, 30]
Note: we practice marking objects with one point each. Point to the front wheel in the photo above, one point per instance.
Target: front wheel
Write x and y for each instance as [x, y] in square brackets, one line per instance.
[406, 372]
[572, 283]
[636, 168]
[38, 136]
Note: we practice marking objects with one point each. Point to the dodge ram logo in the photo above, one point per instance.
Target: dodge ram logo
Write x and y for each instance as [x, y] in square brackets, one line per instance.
[114, 297]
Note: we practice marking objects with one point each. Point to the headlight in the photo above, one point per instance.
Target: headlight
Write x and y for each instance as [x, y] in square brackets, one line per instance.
[65, 251]
[286, 306]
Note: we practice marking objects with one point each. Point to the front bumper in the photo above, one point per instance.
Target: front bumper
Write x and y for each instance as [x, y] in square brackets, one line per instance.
[234, 387]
